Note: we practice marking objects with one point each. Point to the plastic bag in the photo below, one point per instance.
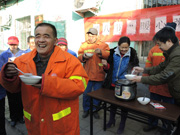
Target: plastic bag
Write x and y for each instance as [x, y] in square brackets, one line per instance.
[157, 105]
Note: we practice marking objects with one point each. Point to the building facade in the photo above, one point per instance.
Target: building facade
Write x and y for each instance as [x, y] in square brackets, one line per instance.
[19, 18]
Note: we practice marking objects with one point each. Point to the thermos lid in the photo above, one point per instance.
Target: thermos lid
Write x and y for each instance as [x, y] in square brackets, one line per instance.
[124, 82]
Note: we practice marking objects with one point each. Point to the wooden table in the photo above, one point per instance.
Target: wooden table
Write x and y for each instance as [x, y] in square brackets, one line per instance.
[171, 113]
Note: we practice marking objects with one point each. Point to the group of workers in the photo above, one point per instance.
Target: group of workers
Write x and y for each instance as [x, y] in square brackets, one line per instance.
[52, 105]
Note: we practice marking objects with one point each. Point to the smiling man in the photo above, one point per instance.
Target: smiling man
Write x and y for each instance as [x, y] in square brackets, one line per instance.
[51, 106]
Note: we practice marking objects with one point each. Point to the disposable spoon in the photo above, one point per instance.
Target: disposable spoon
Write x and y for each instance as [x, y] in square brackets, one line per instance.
[144, 97]
[132, 72]
[26, 74]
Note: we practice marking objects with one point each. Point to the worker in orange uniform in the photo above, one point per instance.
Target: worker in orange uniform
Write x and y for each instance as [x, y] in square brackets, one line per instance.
[51, 106]
[157, 92]
[91, 53]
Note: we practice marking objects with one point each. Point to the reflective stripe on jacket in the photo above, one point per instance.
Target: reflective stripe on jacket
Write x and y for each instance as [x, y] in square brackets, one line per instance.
[53, 110]
[155, 57]
[94, 66]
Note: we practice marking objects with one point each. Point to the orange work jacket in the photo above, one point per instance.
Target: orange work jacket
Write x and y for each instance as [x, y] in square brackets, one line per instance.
[93, 65]
[53, 109]
[155, 57]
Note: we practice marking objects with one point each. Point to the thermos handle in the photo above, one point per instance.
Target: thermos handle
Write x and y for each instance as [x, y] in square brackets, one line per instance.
[120, 90]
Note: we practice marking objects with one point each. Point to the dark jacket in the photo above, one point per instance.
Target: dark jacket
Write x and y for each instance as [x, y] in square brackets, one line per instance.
[166, 72]
[134, 61]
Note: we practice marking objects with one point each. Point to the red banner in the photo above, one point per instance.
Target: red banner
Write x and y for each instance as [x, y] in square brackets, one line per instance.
[138, 25]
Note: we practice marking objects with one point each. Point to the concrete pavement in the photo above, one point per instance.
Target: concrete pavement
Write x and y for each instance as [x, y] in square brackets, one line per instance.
[19, 129]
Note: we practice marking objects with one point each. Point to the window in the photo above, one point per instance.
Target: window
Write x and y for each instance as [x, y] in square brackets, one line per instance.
[159, 3]
[60, 27]
[23, 30]
[143, 48]
[146, 47]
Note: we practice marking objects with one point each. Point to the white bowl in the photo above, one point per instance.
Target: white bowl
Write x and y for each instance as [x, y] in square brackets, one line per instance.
[12, 58]
[30, 80]
[129, 76]
[146, 100]
[89, 54]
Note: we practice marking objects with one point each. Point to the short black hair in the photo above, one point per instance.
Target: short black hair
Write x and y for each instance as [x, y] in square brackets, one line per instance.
[124, 39]
[28, 39]
[50, 25]
[165, 34]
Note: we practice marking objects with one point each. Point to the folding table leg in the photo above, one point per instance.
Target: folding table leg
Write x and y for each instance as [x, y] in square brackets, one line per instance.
[105, 107]
[91, 116]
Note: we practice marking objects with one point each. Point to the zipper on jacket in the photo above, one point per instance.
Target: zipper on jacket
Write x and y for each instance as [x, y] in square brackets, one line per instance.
[119, 68]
